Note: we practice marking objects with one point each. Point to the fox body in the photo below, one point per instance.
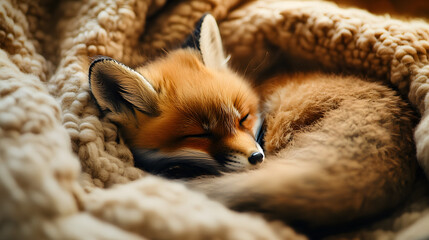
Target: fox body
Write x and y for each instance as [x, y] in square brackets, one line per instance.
[337, 148]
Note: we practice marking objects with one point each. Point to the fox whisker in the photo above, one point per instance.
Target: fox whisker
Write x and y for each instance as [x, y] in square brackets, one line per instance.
[233, 165]
[230, 160]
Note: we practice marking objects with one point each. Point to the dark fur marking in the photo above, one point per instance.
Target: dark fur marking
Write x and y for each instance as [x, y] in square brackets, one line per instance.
[260, 135]
[175, 166]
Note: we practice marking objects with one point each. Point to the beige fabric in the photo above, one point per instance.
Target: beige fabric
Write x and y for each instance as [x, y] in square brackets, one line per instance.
[59, 160]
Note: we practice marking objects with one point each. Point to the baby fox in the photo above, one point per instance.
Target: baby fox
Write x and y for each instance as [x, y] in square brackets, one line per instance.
[338, 148]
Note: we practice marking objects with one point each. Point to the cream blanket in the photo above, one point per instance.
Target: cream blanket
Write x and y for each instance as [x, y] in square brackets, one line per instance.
[59, 160]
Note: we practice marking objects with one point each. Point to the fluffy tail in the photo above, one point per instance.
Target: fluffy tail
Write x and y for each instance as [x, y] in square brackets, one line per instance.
[316, 193]
[339, 149]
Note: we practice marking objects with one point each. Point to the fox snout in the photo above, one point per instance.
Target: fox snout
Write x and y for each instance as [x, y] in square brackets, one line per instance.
[240, 152]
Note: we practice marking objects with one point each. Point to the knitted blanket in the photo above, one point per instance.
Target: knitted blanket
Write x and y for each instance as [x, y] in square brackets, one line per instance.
[65, 173]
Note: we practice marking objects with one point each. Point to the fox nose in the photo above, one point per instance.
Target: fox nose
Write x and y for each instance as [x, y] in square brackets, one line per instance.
[256, 157]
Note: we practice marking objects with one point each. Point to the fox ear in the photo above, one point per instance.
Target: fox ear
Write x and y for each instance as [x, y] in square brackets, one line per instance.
[206, 38]
[120, 89]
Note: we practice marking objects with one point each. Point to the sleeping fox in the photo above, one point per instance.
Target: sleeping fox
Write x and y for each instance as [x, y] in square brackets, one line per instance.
[336, 148]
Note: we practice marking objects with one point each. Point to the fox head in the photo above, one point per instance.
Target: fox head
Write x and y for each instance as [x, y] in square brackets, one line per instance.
[185, 114]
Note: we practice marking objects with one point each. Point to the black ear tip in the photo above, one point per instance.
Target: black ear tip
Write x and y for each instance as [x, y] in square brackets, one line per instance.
[200, 21]
[193, 40]
[95, 60]
[202, 18]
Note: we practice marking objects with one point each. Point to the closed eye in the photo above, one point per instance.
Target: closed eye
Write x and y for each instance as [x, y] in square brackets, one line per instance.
[244, 119]
[201, 135]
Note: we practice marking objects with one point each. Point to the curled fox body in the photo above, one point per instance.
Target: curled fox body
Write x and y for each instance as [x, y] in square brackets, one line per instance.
[336, 148]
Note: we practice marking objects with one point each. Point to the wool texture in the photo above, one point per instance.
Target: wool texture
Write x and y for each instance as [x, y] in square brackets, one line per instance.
[65, 172]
